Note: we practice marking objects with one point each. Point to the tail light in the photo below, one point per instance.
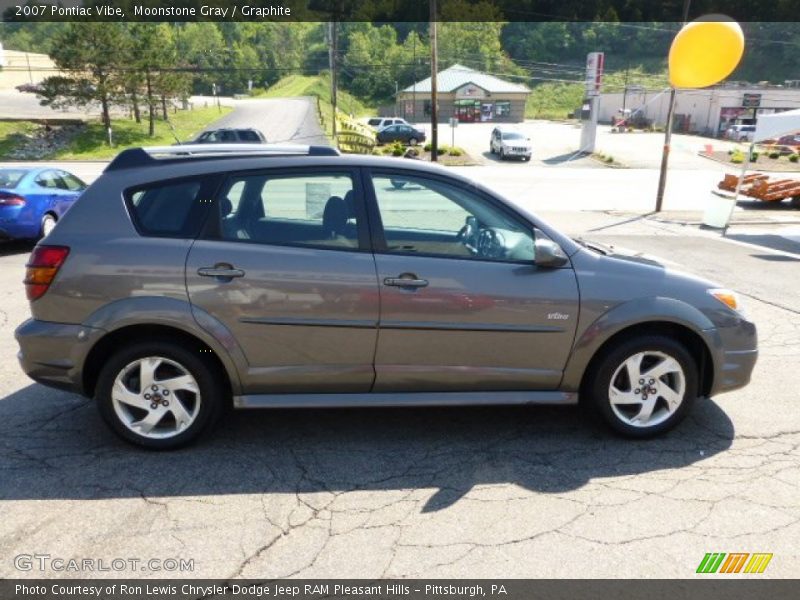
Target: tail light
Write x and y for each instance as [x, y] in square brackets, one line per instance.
[9, 199]
[44, 263]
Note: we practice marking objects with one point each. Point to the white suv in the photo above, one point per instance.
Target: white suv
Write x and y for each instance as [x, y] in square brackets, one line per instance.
[379, 123]
[510, 143]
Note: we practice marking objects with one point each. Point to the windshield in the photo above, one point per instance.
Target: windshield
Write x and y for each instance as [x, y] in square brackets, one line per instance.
[513, 135]
[9, 178]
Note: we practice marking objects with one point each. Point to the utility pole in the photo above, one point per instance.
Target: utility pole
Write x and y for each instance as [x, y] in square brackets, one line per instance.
[662, 176]
[332, 59]
[414, 88]
[434, 94]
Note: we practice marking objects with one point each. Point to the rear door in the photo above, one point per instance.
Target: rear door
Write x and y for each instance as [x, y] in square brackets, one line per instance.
[286, 266]
[464, 306]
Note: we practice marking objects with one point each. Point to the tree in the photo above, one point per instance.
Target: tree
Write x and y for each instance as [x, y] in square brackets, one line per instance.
[93, 56]
[153, 62]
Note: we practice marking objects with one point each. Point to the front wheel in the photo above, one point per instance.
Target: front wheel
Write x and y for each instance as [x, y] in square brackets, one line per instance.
[644, 386]
[158, 394]
[413, 142]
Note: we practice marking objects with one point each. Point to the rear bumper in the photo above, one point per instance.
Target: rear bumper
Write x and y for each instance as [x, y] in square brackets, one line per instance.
[53, 354]
[14, 231]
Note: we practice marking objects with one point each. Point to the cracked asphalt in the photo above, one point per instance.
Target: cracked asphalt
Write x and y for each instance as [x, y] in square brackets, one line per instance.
[457, 492]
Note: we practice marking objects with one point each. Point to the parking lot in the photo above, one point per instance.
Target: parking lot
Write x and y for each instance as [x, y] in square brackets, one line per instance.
[475, 492]
[555, 144]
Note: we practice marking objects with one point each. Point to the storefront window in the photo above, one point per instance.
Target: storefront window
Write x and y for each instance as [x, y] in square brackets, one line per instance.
[503, 108]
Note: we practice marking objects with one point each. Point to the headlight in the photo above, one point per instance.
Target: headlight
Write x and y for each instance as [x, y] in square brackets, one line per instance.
[729, 298]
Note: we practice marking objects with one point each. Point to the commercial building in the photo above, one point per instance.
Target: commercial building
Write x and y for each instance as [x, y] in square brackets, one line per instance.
[467, 94]
[709, 111]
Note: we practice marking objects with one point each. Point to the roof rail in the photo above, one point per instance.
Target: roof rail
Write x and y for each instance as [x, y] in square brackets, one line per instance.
[141, 157]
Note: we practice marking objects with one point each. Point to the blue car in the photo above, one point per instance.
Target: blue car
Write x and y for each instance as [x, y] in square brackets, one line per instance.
[32, 200]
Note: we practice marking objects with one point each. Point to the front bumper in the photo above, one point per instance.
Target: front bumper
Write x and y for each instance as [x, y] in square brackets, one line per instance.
[54, 354]
[737, 358]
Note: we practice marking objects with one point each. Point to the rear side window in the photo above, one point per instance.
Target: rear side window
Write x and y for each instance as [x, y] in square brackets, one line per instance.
[249, 136]
[170, 209]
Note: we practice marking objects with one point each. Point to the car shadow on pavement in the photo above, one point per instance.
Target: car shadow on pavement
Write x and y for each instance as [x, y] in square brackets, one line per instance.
[54, 446]
[12, 247]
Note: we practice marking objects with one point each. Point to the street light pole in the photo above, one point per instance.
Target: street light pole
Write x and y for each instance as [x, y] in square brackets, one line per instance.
[662, 176]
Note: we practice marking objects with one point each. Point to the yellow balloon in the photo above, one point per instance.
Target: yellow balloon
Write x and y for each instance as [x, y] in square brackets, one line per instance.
[705, 52]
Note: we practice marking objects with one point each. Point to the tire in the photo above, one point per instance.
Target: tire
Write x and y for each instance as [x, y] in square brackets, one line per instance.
[675, 390]
[502, 154]
[48, 222]
[199, 399]
[413, 142]
[491, 149]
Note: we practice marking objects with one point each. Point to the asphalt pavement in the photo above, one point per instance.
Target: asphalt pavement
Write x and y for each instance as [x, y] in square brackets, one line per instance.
[281, 120]
[459, 492]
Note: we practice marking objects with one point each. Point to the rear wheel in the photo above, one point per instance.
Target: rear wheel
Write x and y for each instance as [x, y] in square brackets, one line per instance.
[158, 394]
[48, 223]
[644, 386]
[413, 142]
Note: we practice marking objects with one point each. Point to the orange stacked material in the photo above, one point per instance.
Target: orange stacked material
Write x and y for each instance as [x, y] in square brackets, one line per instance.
[774, 191]
[729, 182]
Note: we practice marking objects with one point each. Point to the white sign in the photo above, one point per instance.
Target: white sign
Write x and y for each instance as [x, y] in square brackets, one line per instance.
[470, 90]
[453, 122]
[594, 72]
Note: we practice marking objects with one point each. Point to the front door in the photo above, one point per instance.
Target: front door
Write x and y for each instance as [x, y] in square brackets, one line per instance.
[463, 305]
[285, 266]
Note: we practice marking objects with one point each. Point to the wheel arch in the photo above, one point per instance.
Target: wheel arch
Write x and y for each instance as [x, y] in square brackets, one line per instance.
[686, 336]
[647, 316]
[106, 345]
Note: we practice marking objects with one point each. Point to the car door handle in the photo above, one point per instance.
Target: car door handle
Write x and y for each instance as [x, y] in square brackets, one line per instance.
[406, 280]
[220, 272]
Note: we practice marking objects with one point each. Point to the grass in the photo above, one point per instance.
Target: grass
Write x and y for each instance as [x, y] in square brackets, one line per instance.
[553, 100]
[557, 100]
[92, 142]
[11, 132]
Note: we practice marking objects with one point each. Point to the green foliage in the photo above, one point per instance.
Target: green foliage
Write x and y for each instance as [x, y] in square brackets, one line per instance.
[397, 149]
[12, 133]
[794, 158]
[455, 151]
[553, 100]
[774, 155]
[91, 144]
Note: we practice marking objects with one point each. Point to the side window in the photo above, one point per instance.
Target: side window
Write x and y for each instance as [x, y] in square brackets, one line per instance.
[71, 182]
[306, 210]
[48, 179]
[171, 209]
[427, 216]
[249, 136]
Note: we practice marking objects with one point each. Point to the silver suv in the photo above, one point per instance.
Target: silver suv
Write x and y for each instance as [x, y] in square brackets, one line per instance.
[189, 279]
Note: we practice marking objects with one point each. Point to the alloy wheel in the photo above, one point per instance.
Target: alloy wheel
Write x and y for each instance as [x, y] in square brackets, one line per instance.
[647, 388]
[156, 397]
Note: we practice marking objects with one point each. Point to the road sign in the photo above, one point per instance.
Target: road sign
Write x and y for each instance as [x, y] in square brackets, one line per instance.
[751, 101]
[594, 72]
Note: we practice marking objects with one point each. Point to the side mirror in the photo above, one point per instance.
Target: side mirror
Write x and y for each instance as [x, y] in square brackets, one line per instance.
[549, 255]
